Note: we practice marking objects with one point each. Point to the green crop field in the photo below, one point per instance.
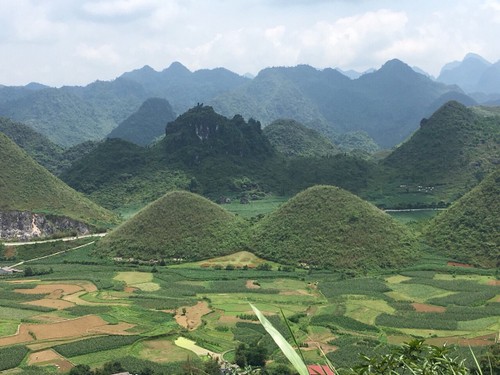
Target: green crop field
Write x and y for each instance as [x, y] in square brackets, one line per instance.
[136, 312]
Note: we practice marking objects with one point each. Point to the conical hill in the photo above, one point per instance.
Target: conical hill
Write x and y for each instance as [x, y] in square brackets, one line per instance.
[468, 231]
[27, 186]
[179, 225]
[325, 226]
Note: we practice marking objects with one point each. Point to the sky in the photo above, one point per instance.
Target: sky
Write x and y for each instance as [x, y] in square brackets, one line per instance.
[75, 42]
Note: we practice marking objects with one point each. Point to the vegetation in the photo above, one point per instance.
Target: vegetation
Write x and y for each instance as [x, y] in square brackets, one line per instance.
[179, 225]
[26, 186]
[147, 124]
[95, 344]
[450, 153]
[326, 226]
[291, 138]
[468, 230]
[12, 356]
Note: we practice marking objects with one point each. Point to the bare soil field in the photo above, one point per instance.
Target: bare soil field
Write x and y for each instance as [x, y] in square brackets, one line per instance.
[476, 341]
[85, 326]
[63, 289]
[58, 304]
[192, 318]
[50, 357]
[422, 307]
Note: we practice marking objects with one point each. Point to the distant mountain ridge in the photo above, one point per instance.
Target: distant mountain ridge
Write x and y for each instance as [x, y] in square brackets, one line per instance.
[473, 74]
[387, 104]
[147, 124]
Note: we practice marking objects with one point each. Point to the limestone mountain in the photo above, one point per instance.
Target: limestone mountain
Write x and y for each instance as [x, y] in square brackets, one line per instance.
[179, 225]
[466, 73]
[183, 88]
[201, 132]
[468, 230]
[27, 186]
[328, 227]
[291, 138]
[387, 103]
[451, 151]
[38, 146]
[64, 118]
[147, 124]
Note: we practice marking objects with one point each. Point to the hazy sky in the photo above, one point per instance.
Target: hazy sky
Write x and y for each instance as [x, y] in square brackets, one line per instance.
[68, 42]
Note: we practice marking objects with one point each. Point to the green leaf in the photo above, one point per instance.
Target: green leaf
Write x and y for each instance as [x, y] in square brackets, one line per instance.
[285, 347]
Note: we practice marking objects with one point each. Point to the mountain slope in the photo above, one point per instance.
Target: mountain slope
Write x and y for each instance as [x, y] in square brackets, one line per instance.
[39, 147]
[179, 225]
[64, 118]
[27, 186]
[325, 226]
[183, 88]
[387, 103]
[465, 73]
[291, 138]
[468, 231]
[147, 124]
[450, 152]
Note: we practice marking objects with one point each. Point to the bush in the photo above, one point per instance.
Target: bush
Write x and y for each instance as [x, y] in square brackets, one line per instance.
[12, 356]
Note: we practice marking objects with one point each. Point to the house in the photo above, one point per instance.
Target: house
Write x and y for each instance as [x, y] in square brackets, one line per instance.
[320, 370]
[8, 271]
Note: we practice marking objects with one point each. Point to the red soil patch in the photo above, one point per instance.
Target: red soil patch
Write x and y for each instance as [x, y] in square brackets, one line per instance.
[50, 357]
[251, 285]
[84, 326]
[422, 307]
[129, 289]
[494, 282]
[51, 288]
[455, 264]
[486, 340]
[192, 318]
[49, 302]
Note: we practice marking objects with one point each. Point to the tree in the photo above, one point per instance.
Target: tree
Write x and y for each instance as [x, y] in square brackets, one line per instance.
[80, 370]
[211, 367]
[415, 358]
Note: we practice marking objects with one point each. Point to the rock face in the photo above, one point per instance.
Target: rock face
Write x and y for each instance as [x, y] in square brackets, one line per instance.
[25, 225]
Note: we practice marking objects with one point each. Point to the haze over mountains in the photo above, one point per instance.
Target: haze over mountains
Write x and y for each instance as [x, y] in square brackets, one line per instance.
[387, 104]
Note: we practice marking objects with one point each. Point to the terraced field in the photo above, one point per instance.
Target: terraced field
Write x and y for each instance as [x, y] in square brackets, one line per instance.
[91, 310]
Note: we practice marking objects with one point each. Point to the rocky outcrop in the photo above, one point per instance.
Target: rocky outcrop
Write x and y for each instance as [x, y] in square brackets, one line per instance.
[26, 225]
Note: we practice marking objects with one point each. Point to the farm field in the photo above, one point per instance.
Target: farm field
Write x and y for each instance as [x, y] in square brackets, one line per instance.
[91, 310]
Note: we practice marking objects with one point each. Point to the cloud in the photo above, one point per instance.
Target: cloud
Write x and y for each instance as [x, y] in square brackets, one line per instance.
[100, 39]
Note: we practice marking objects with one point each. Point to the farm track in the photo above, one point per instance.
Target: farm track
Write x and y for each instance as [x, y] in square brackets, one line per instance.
[51, 255]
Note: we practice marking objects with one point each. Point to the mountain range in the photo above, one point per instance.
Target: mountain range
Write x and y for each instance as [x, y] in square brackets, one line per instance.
[386, 104]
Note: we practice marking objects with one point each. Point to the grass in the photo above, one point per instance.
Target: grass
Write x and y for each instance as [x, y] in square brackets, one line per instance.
[366, 310]
[140, 280]
[416, 292]
[256, 208]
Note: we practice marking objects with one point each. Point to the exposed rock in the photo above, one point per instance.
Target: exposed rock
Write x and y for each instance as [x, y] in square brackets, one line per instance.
[25, 225]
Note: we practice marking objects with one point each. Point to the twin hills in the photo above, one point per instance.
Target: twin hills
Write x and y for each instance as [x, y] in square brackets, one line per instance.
[210, 154]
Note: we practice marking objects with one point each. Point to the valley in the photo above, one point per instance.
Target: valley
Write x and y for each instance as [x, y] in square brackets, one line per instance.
[355, 221]
[133, 312]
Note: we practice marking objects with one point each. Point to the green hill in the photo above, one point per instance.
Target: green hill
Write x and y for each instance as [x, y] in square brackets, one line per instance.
[25, 185]
[208, 154]
[468, 231]
[325, 226]
[448, 154]
[38, 146]
[147, 124]
[179, 225]
[291, 138]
